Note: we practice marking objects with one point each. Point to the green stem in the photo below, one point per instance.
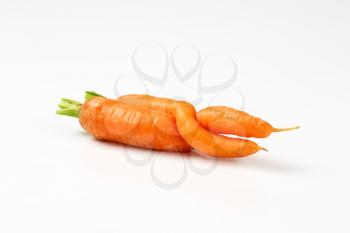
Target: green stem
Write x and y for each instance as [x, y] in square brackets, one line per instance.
[69, 112]
[69, 107]
[91, 94]
[70, 101]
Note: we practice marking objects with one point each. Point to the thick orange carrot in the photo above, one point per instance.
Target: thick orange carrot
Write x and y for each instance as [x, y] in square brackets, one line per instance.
[188, 127]
[225, 120]
[216, 119]
[111, 120]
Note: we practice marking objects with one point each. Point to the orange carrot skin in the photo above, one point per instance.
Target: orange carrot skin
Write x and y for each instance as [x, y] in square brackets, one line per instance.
[225, 120]
[112, 120]
[150, 102]
[190, 129]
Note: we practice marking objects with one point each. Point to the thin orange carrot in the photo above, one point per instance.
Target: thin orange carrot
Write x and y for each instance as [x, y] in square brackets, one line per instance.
[225, 120]
[217, 119]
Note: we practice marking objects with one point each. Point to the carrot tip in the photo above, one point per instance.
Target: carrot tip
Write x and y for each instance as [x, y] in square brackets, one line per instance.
[285, 129]
[263, 148]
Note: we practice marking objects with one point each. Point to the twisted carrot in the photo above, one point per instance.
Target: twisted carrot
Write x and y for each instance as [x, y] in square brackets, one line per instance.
[166, 124]
[188, 127]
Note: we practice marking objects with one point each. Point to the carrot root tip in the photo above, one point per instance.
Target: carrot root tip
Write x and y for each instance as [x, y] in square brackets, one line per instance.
[263, 148]
[285, 129]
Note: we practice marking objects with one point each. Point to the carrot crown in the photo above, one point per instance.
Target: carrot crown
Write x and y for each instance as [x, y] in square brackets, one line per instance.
[69, 107]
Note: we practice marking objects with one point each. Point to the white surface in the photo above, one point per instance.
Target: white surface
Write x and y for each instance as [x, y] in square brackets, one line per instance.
[293, 59]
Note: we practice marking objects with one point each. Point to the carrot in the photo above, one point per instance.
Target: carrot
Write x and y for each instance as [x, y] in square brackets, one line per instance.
[111, 120]
[218, 119]
[224, 120]
[166, 124]
[188, 127]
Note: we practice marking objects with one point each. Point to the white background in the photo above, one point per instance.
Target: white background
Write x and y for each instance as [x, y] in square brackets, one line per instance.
[293, 59]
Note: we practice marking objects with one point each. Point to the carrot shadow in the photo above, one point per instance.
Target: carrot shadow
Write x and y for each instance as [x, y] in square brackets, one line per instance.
[266, 163]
